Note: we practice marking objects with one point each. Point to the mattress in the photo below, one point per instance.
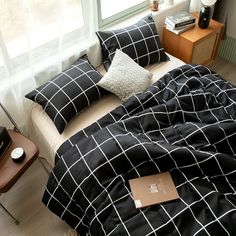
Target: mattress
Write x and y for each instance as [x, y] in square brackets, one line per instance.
[45, 135]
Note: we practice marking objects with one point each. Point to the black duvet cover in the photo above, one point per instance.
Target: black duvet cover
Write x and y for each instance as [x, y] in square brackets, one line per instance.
[184, 124]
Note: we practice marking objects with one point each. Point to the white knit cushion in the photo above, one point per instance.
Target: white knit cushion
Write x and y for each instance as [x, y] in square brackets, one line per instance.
[125, 77]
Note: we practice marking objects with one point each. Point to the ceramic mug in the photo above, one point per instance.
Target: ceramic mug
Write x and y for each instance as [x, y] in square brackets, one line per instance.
[154, 5]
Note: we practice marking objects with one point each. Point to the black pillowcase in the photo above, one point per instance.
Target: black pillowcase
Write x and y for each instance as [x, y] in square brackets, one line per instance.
[140, 41]
[69, 93]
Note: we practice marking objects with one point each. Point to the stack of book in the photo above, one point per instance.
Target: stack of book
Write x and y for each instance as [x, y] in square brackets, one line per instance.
[180, 22]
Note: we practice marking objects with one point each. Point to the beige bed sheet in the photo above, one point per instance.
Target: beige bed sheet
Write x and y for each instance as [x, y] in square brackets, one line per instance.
[43, 132]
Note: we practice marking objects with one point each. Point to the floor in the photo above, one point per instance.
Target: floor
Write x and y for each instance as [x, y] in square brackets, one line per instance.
[225, 68]
[24, 199]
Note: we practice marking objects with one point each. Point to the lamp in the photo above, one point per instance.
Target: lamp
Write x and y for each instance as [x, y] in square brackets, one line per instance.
[205, 13]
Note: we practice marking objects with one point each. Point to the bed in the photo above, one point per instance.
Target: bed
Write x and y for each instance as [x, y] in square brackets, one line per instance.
[183, 123]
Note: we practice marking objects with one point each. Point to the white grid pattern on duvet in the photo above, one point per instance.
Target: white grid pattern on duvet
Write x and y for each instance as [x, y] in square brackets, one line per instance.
[203, 199]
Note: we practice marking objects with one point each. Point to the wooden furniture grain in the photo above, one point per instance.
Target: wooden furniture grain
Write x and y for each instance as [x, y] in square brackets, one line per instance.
[11, 171]
[198, 46]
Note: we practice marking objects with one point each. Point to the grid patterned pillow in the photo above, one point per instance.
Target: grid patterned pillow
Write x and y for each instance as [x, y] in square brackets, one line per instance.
[139, 41]
[70, 92]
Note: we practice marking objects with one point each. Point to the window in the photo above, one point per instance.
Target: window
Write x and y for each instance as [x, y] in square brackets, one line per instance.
[32, 23]
[113, 11]
[34, 31]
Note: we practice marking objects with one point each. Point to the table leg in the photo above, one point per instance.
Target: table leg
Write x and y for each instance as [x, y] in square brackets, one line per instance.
[13, 218]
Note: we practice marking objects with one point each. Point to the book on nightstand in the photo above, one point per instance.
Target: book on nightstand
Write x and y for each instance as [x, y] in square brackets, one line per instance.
[180, 19]
[181, 29]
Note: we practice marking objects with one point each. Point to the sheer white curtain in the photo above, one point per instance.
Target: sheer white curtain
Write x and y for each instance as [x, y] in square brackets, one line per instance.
[38, 39]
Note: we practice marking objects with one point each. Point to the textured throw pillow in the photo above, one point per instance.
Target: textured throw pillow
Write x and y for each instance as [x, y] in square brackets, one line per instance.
[67, 94]
[139, 41]
[125, 77]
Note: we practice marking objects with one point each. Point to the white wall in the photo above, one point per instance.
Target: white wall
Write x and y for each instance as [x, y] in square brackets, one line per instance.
[231, 28]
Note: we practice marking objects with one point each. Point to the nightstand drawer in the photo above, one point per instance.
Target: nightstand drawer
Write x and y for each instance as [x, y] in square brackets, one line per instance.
[202, 52]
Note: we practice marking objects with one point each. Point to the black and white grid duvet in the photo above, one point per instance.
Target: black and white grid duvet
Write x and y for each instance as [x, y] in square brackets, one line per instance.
[184, 124]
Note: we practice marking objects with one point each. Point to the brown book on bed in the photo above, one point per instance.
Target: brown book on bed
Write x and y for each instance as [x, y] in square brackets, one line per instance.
[153, 189]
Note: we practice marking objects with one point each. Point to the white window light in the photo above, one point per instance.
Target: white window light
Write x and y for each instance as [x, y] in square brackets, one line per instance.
[39, 21]
[113, 11]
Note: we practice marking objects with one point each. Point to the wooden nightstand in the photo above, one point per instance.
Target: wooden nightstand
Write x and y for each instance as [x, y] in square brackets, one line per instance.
[198, 46]
[10, 171]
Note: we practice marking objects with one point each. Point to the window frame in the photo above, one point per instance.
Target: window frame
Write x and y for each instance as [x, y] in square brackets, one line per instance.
[118, 17]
